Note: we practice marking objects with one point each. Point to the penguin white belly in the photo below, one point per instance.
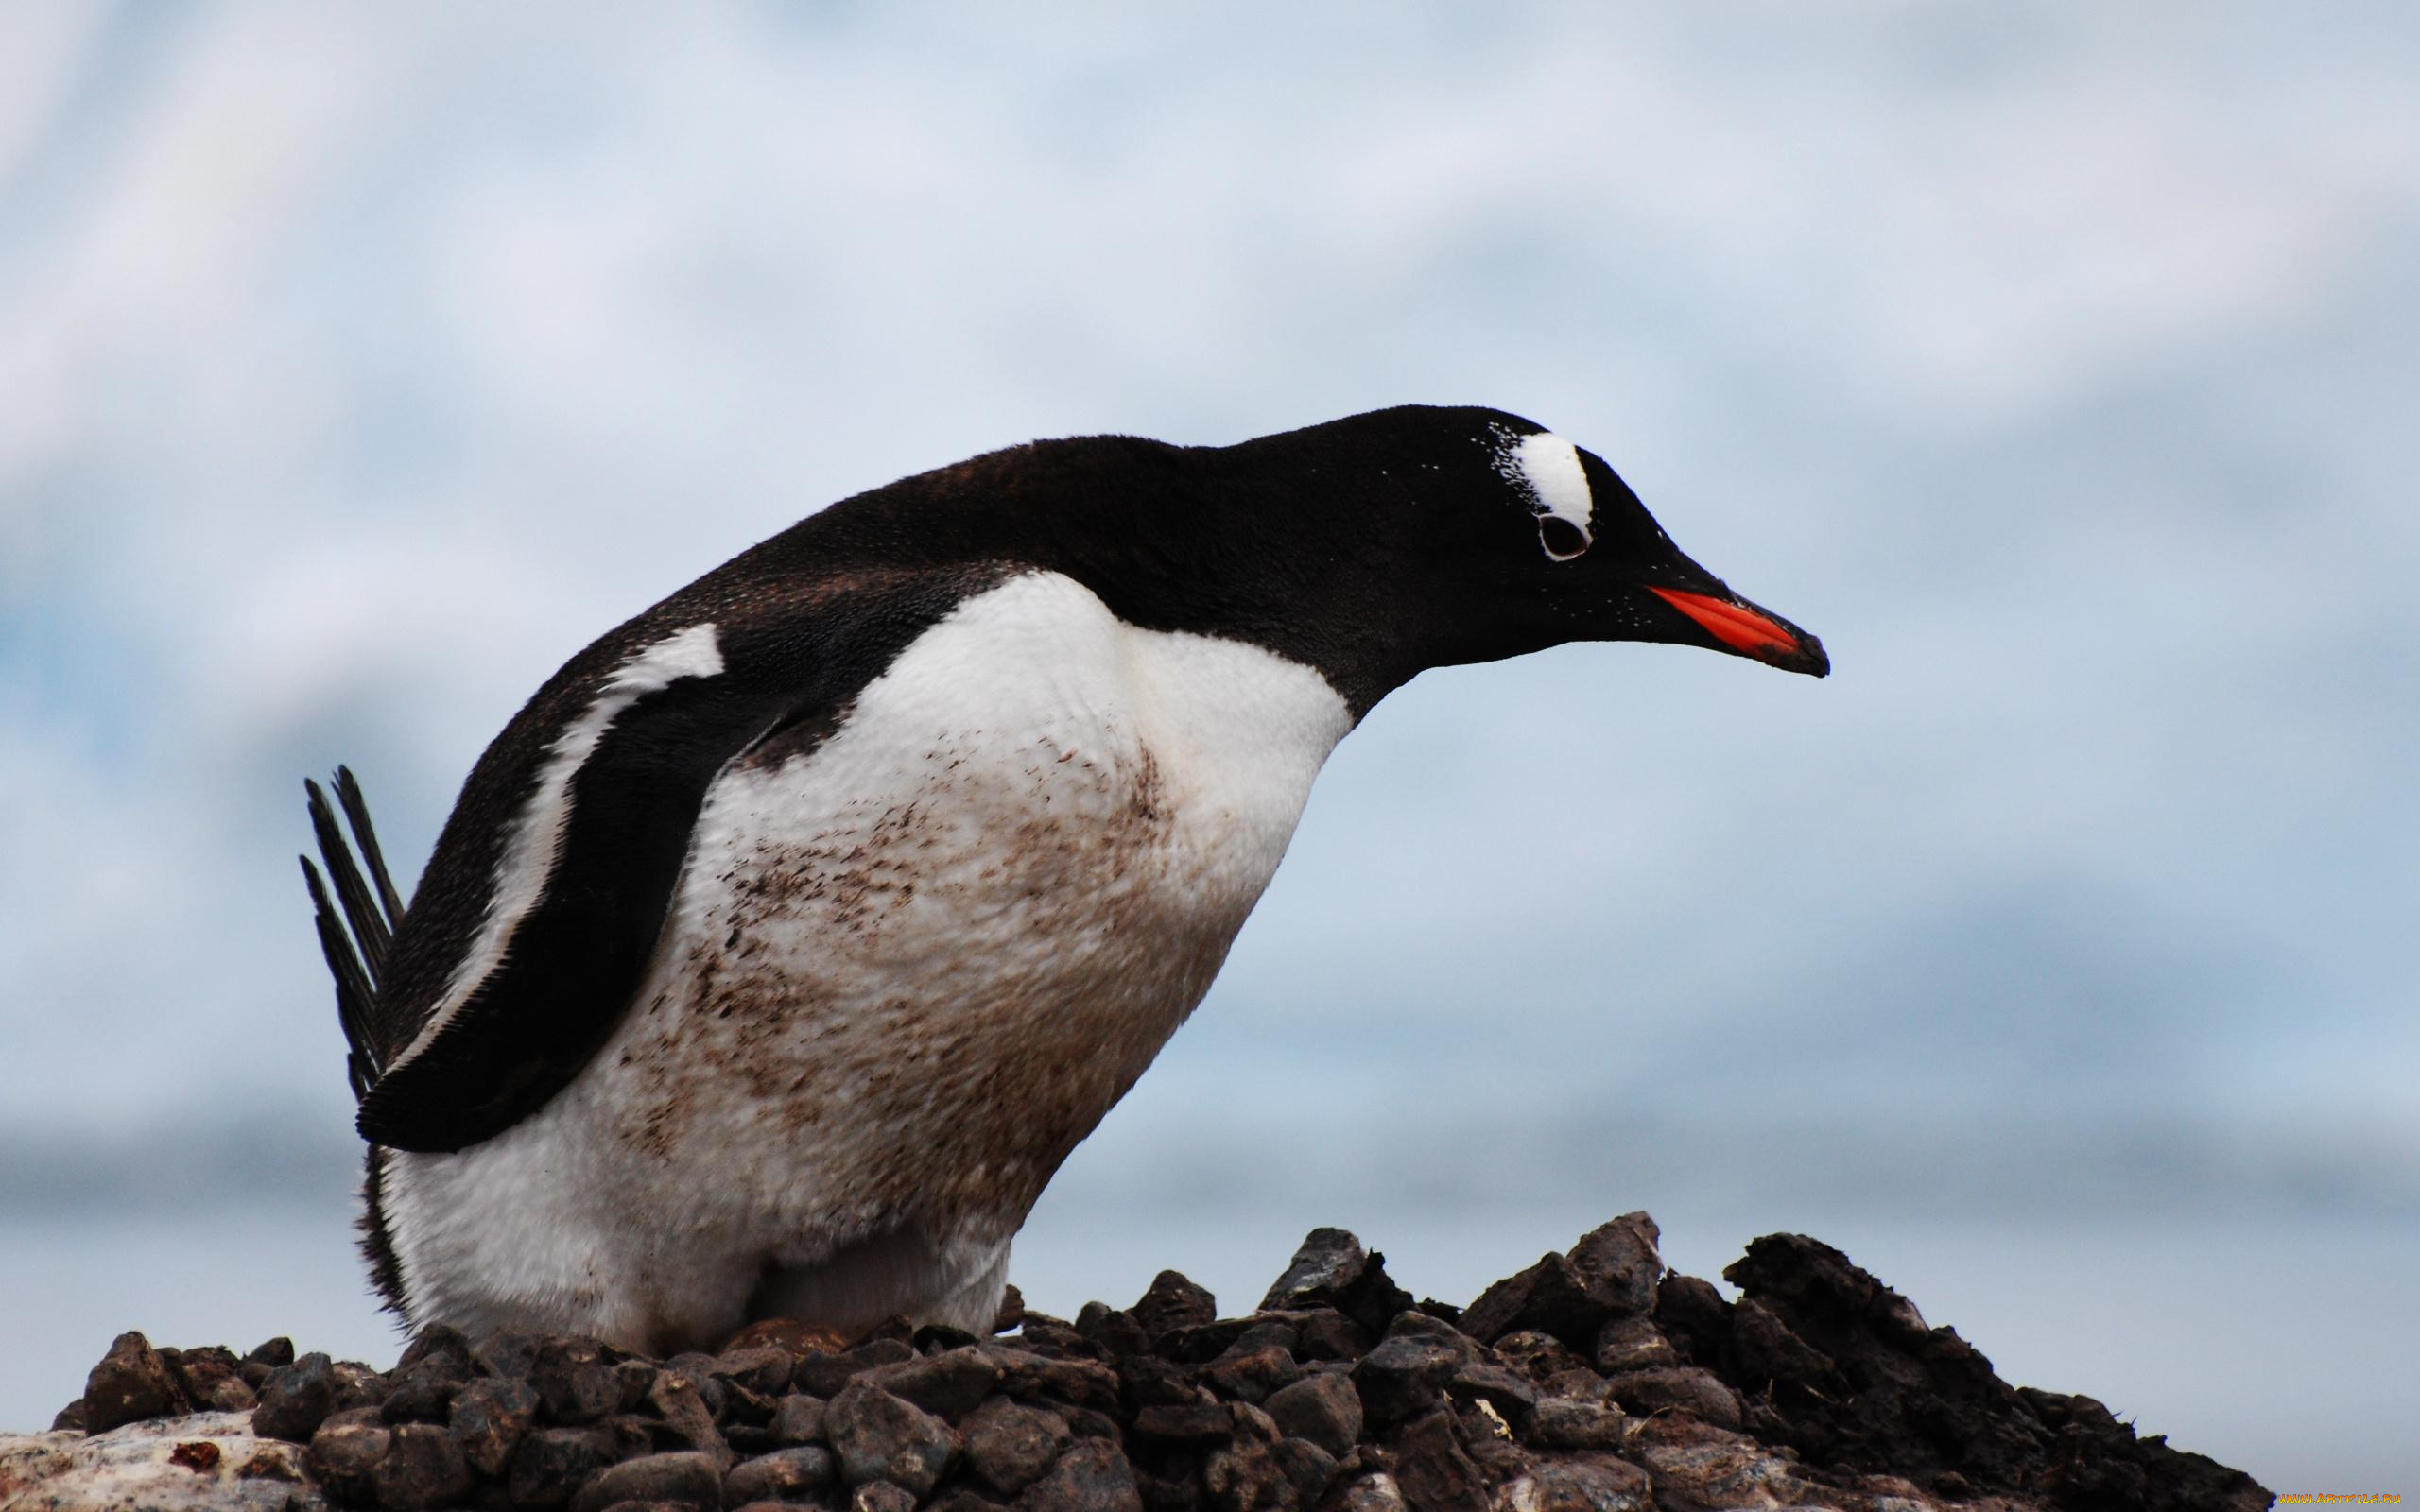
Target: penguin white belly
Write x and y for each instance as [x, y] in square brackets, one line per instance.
[907, 968]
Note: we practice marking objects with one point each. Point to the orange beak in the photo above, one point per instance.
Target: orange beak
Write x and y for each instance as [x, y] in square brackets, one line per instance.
[1750, 631]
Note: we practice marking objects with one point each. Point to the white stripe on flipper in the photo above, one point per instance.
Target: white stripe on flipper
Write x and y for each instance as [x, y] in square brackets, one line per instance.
[537, 837]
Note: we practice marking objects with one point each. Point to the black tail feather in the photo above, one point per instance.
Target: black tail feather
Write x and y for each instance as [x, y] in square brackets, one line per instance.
[356, 944]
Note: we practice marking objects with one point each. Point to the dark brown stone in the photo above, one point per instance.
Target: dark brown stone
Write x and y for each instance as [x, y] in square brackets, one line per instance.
[1195, 1425]
[1681, 1388]
[1632, 1344]
[488, 1418]
[763, 1371]
[131, 1384]
[881, 1496]
[1252, 1375]
[1174, 1302]
[880, 1438]
[676, 1400]
[683, 1479]
[345, 1453]
[422, 1468]
[295, 1399]
[574, 1384]
[1008, 1447]
[1514, 1395]
[823, 1375]
[1113, 1330]
[948, 1386]
[1310, 1468]
[1583, 1482]
[1322, 1408]
[798, 1420]
[784, 1475]
[1431, 1469]
[1405, 1376]
[1092, 1476]
[1330, 1335]
[549, 1464]
[1568, 1422]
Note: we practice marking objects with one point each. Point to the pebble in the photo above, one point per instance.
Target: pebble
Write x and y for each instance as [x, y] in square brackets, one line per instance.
[784, 1475]
[131, 1383]
[1009, 1445]
[880, 1438]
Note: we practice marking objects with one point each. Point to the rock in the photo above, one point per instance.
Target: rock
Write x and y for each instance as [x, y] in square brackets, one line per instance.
[1252, 1375]
[131, 1383]
[878, 1437]
[1631, 1344]
[1431, 1470]
[823, 1375]
[685, 1478]
[1512, 1396]
[345, 1454]
[1617, 1264]
[1609, 1273]
[676, 1400]
[784, 1475]
[763, 1371]
[1693, 1316]
[1332, 1270]
[204, 1461]
[1681, 1388]
[1092, 1476]
[487, 1420]
[787, 1335]
[422, 1468]
[1763, 1346]
[1579, 1482]
[295, 1399]
[948, 1386]
[1328, 1260]
[433, 1342]
[549, 1464]
[1324, 1409]
[1373, 1492]
[1174, 1302]
[1008, 1447]
[1404, 1376]
[1310, 1468]
[798, 1418]
[574, 1384]
[1194, 1424]
[1114, 1330]
[1328, 1334]
[881, 1496]
[1244, 1475]
[422, 1392]
[1566, 1423]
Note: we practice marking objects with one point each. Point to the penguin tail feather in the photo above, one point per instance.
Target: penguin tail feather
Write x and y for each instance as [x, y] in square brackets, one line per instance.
[357, 912]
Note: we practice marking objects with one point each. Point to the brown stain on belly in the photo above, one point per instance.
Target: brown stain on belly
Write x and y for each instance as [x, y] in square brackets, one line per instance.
[973, 1102]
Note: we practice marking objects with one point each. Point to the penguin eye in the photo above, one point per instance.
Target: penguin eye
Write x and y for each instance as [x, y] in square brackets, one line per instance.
[1562, 539]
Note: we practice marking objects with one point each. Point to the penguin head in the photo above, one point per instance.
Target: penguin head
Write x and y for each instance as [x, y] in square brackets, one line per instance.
[1500, 537]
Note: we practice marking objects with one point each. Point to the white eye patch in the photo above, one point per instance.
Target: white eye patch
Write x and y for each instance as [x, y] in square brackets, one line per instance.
[1547, 468]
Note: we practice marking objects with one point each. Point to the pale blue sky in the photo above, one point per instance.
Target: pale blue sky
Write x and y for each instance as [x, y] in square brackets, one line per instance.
[2057, 365]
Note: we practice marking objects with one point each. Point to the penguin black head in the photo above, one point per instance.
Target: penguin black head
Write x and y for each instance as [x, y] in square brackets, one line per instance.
[1471, 535]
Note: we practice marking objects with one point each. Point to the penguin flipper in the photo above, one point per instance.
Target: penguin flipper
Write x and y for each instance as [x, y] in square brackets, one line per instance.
[569, 964]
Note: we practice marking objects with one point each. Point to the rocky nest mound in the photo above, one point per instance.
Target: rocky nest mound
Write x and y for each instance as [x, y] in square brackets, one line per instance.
[1591, 1382]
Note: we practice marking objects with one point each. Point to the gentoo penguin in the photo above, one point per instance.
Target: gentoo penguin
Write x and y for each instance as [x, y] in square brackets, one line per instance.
[786, 942]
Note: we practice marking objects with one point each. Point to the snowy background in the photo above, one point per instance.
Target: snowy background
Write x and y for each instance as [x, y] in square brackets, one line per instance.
[2057, 363]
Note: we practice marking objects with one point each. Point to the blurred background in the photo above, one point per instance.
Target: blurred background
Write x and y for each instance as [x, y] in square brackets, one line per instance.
[2055, 362]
